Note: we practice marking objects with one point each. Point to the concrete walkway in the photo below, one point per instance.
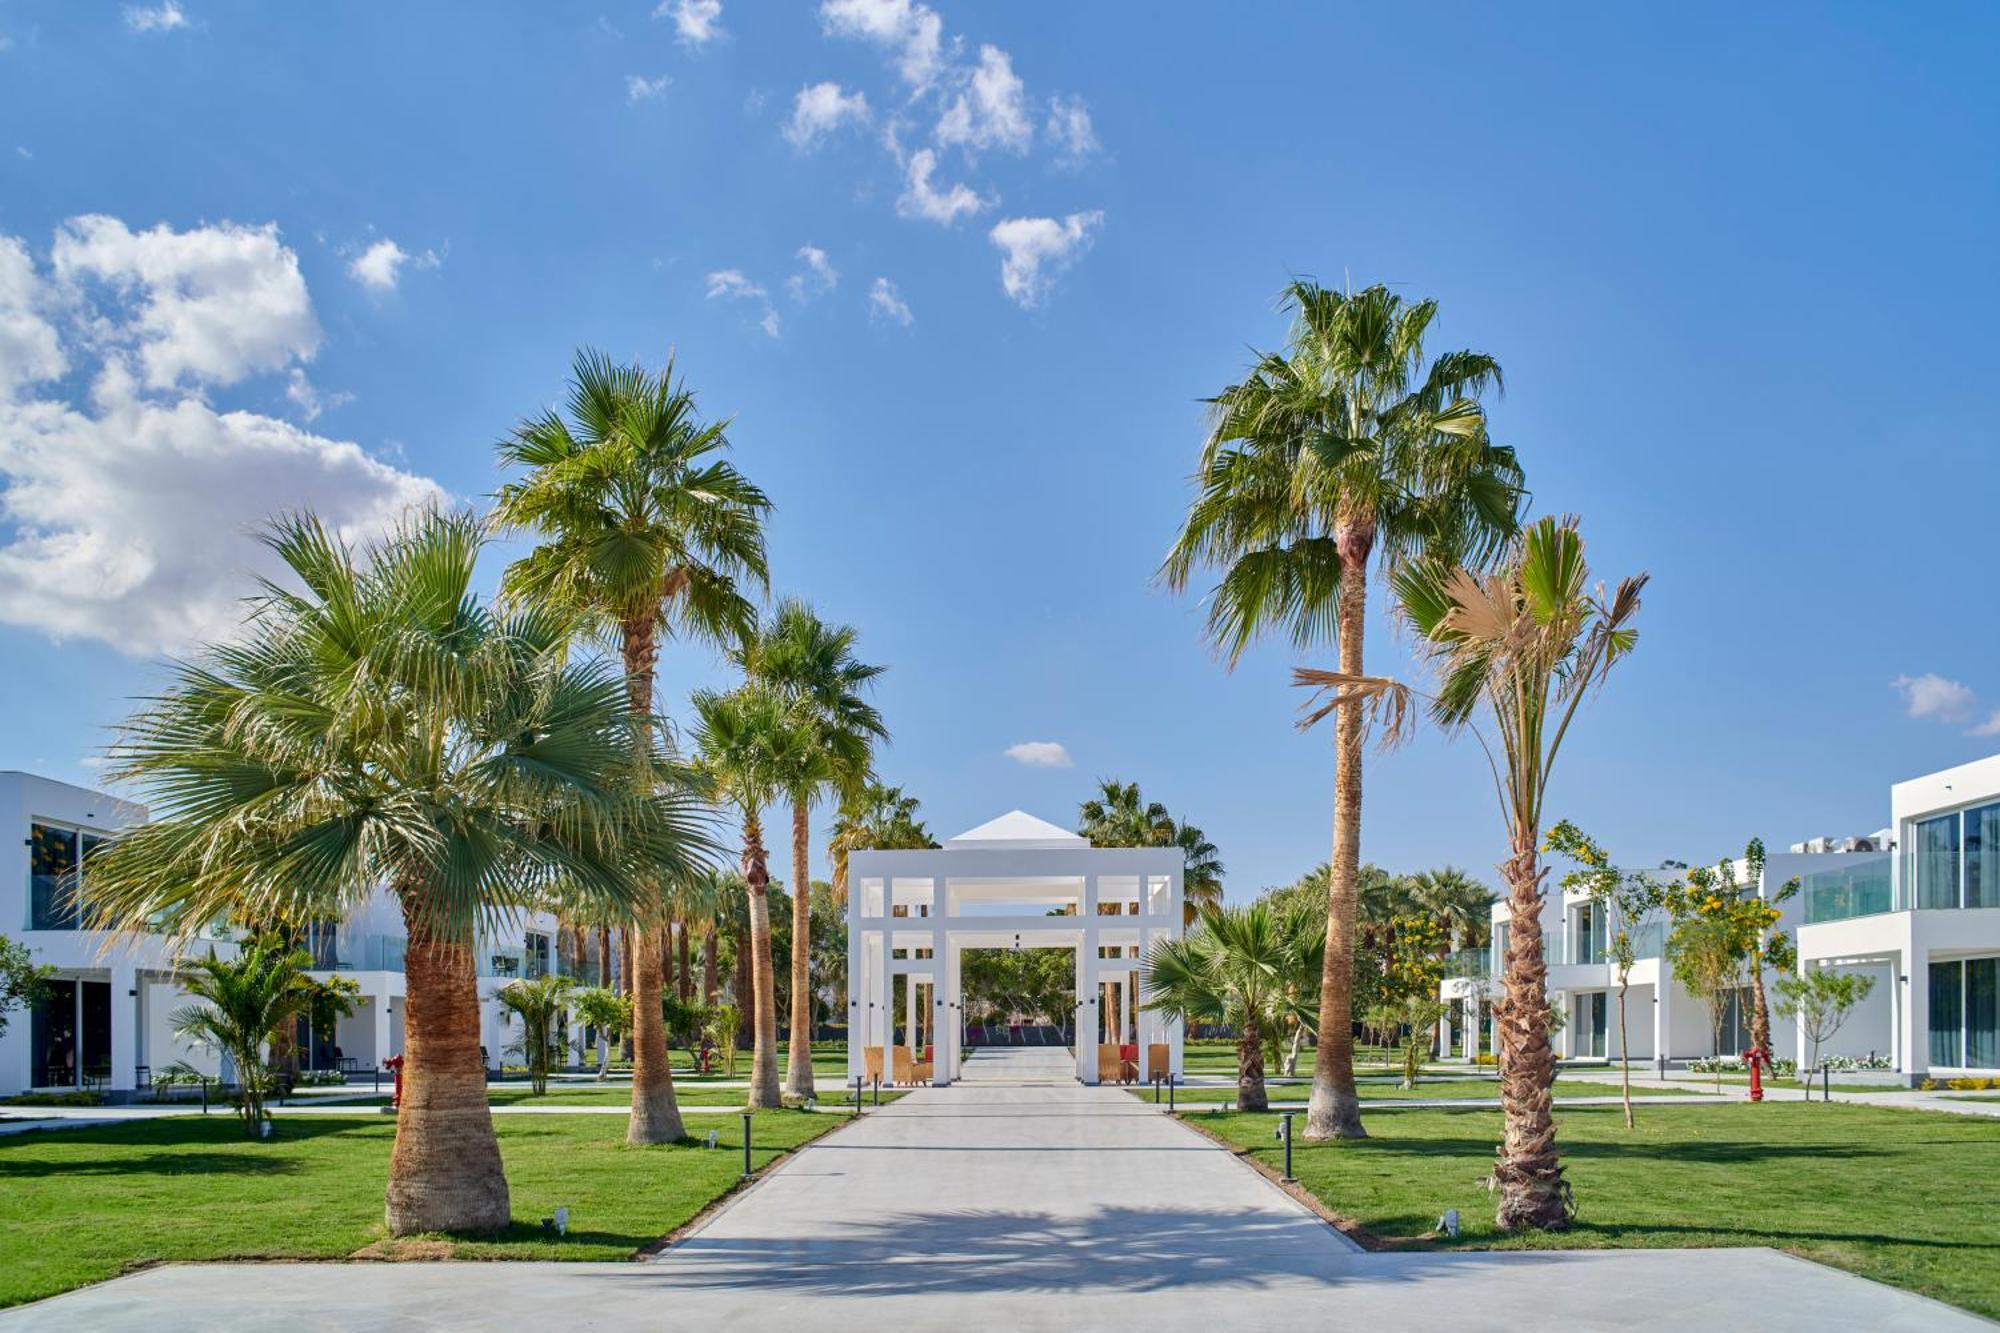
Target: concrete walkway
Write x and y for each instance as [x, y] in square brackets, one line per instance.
[995, 1206]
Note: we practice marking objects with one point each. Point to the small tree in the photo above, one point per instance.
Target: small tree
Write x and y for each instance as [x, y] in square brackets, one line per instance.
[1631, 901]
[21, 980]
[243, 1001]
[725, 1021]
[539, 1004]
[1707, 959]
[1821, 1000]
[607, 1011]
[1415, 1016]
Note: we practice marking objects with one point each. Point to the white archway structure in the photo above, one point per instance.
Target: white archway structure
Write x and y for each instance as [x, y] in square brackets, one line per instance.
[1014, 882]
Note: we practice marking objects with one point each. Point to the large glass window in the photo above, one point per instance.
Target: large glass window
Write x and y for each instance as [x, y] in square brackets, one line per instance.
[1982, 856]
[1592, 938]
[1590, 1026]
[1982, 1013]
[1934, 860]
[52, 861]
[1947, 1013]
[52, 1052]
[537, 956]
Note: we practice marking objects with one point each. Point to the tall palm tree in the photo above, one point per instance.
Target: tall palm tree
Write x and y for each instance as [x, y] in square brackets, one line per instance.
[243, 1002]
[1460, 904]
[1118, 816]
[382, 727]
[810, 665]
[747, 743]
[1525, 646]
[1241, 967]
[650, 531]
[875, 819]
[1343, 449]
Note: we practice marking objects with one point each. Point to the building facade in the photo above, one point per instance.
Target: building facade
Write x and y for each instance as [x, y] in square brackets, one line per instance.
[105, 1021]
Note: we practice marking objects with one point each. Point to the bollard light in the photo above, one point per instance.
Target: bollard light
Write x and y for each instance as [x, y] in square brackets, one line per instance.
[1288, 1147]
[746, 1145]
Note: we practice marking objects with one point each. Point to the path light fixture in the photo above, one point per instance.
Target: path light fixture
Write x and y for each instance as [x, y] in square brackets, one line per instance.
[746, 1145]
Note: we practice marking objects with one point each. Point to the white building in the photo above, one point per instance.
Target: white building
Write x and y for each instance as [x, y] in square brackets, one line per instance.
[1661, 1016]
[1016, 882]
[106, 1021]
[1929, 929]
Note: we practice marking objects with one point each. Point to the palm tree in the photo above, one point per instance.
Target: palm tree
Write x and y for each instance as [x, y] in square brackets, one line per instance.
[244, 1002]
[383, 728]
[747, 745]
[609, 1013]
[649, 531]
[1118, 816]
[1342, 446]
[875, 819]
[1460, 904]
[539, 1004]
[1528, 643]
[1238, 967]
[810, 665]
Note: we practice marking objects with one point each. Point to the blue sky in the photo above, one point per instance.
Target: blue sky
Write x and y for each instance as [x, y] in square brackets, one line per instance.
[1739, 268]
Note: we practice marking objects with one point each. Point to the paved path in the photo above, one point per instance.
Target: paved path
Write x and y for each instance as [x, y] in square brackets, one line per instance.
[990, 1206]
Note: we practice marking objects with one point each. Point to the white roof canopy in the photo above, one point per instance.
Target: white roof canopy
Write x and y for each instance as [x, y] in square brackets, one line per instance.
[1015, 829]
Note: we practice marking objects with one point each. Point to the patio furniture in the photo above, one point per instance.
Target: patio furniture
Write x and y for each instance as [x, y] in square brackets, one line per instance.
[1159, 1061]
[871, 1063]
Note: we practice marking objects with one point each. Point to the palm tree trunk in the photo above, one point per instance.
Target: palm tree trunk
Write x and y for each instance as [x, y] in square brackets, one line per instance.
[1291, 1065]
[604, 957]
[627, 959]
[765, 1092]
[1250, 1093]
[799, 1065]
[708, 979]
[1533, 1192]
[684, 973]
[656, 1115]
[444, 1172]
[1335, 1108]
[1760, 1011]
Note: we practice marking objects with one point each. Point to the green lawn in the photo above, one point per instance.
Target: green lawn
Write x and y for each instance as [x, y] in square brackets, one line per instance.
[1427, 1089]
[86, 1204]
[1884, 1193]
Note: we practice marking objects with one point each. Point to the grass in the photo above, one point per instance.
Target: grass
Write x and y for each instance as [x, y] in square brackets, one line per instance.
[86, 1204]
[1429, 1089]
[1884, 1193]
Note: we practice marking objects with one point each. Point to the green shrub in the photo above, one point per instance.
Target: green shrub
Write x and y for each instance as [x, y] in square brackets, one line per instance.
[54, 1099]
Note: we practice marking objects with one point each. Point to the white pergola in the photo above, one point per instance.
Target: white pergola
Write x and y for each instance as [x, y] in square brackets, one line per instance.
[1014, 882]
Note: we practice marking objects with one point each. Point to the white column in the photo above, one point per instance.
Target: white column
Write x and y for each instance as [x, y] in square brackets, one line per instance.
[379, 1003]
[943, 1025]
[124, 1027]
[857, 1012]
[888, 981]
[1088, 1022]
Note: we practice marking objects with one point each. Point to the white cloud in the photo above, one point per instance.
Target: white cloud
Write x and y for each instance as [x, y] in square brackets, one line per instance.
[164, 17]
[921, 199]
[819, 278]
[1933, 696]
[885, 302]
[990, 110]
[639, 89]
[380, 267]
[1034, 250]
[302, 394]
[1039, 754]
[730, 284]
[213, 303]
[819, 110]
[1070, 130]
[1990, 727]
[128, 520]
[913, 32]
[696, 22]
[30, 351]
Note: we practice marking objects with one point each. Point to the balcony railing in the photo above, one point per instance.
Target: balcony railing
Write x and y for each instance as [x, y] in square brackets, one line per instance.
[1469, 963]
[1849, 891]
[359, 953]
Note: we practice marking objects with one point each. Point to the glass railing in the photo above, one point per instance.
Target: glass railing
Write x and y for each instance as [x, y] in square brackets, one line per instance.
[359, 953]
[1848, 891]
[1469, 963]
[1650, 940]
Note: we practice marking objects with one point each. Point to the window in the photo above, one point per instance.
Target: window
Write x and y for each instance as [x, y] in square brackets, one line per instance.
[52, 882]
[537, 956]
[1947, 1012]
[1982, 856]
[1965, 1014]
[1592, 934]
[1934, 860]
[1738, 1008]
[1590, 1026]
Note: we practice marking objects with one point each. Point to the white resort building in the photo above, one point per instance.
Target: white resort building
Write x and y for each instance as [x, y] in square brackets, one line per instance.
[1016, 882]
[105, 1022]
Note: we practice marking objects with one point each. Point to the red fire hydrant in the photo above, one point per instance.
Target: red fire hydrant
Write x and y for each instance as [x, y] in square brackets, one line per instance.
[394, 1064]
[1757, 1057]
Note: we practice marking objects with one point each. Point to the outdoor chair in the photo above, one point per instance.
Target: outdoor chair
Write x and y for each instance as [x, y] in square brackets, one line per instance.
[871, 1063]
[1159, 1064]
[1109, 1065]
